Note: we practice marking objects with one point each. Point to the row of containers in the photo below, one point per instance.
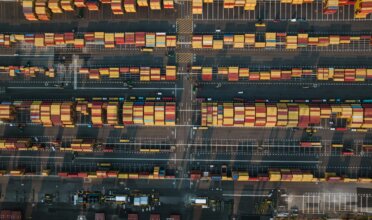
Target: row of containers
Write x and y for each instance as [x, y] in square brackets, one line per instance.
[43, 10]
[93, 145]
[225, 174]
[115, 113]
[231, 73]
[302, 115]
[272, 40]
[81, 40]
[142, 73]
[235, 73]
[10, 215]
[268, 40]
[362, 8]
[163, 113]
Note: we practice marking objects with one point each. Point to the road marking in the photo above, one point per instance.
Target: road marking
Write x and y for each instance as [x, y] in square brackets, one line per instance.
[194, 160]
[33, 157]
[245, 195]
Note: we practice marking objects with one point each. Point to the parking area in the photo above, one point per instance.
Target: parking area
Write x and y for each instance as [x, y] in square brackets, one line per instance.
[275, 11]
[323, 202]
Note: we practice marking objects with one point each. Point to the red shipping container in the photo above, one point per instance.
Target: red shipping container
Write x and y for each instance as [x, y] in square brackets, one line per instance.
[155, 217]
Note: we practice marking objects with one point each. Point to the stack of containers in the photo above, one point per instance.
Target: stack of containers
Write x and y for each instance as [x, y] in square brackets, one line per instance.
[161, 40]
[142, 3]
[170, 73]
[97, 113]
[228, 39]
[323, 42]
[250, 115]
[228, 114]
[291, 42]
[292, 115]
[117, 7]
[129, 38]
[264, 75]
[15, 144]
[127, 113]
[271, 115]
[296, 175]
[304, 114]
[138, 113]
[80, 3]
[209, 114]
[145, 73]
[367, 116]
[339, 75]
[274, 175]
[286, 175]
[159, 113]
[170, 113]
[260, 114]
[45, 110]
[39, 40]
[243, 72]
[208, 41]
[119, 38]
[360, 74]
[282, 115]
[112, 114]
[82, 145]
[109, 40]
[114, 72]
[130, 6]
[28, 7]
[93, 5]
[67, 5]
[150, 40]
[49, 39]
[239, 114]
[155, 74]
[155, 5]
[330, 6]
[314, 113]
[55, 6]
[250, 5]
[349, 75]
[197, 41]
[67, 114]
[140, 39]
[35, 112]
[197, 7]
[7, 111]
[204, 114]
[82, 107]
[55, 113]
[238, 41]
[148, 113]
[250, 39]
[270, 40]
[302, 40]
[208, 1]
[362, 8]
[99, 38]
[228, 4]
[239, 3]
[207, 74]
[168, 4]
[233, 74]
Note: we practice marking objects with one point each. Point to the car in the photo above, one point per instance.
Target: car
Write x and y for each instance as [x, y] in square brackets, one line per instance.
[159, 93]
[241, 92]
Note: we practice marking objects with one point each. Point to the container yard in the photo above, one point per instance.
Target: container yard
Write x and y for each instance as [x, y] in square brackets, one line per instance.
[190, 109]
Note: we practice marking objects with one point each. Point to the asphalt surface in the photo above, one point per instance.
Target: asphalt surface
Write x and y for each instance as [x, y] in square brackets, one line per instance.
[252, 149]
